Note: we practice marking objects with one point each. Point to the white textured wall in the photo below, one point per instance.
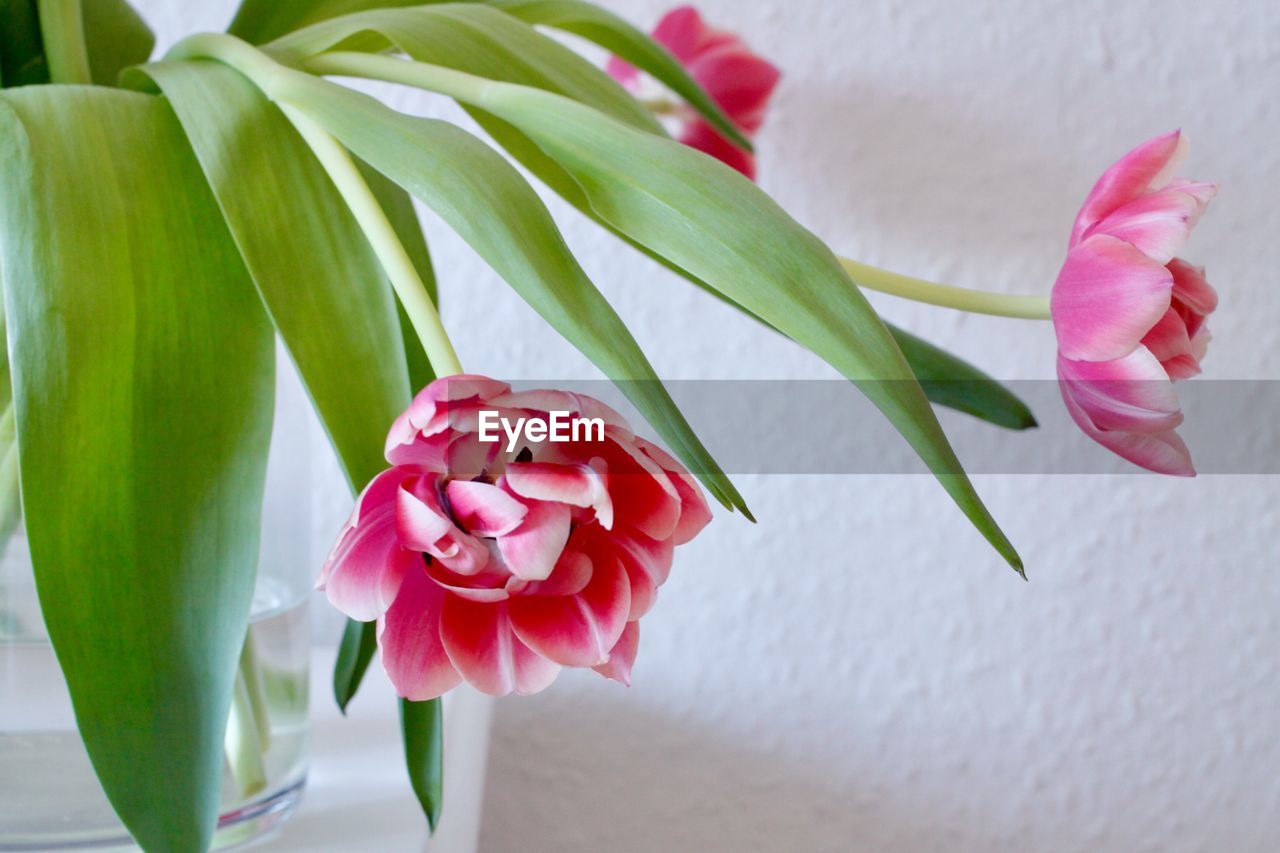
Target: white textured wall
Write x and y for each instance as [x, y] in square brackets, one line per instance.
[857, 671]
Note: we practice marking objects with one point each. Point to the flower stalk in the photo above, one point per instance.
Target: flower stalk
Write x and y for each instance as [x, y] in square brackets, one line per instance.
[946, 296]
[62, 29]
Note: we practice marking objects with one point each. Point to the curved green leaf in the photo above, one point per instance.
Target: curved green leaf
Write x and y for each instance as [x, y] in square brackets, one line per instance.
[706, 218]
[259, 21]
[314, 269]
[22, 61]
[116, 37]
[142, 372]
[422, 726]
[355, 653]
[607, 30]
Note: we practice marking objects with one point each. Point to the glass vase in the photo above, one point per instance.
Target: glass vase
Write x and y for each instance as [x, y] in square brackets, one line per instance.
[50, 798]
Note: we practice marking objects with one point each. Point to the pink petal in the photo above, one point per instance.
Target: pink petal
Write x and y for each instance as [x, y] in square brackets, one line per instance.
[622, 71]
[1132, 394]
[551, 400]
[483, 509]
[648, 564]
[1169, 342]
[643, 495]
[532, 549]
[363, 573]
[423, 526]
[623, 656]
[429, 409]
[576, 630]
[571, 575]
[1149, 166]
[683, 32]
[1192, 293]
[481, 645]
[409, 636]
[739, 81]
[576, 485]
[695, 514]
[1107, 296]
[702, 136]
[1158, 224]
[1164, 453]
[487, 586]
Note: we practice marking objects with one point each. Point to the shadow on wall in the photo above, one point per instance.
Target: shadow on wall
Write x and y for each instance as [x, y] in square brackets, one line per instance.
[612, 776]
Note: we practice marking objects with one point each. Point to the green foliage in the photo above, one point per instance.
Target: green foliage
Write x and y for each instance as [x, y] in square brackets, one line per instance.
[142, 375]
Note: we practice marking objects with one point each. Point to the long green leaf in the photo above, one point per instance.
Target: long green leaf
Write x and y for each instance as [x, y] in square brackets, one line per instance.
[478, 40]
[708, 219]
[614, 34]
[355, 653]
[22, 61]
[422, 726]
[142, 368]
[259, 21]
[116, 37]
[313, 267]
[484, 199]
[481, 41]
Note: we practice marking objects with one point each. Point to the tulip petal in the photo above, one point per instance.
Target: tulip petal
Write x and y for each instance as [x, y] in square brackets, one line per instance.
[423, 526]
[1131, 394]
[1192, 290]
[1107, 296]
[695, 514]
[576, 630]
[409, 636]
[623, 656]
[1149, 166]
[703, 137]
[738, 80]
[481, 645]
[571, 575]
[578, 485]
[1169, 342]
[532, 549]
[648, 564]
[683, 32]
[1163, 453]
[1158, 224]
[363, 573]
[483, 509]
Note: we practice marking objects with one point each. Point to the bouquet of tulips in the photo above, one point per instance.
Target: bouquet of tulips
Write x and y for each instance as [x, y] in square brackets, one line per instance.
[165, 221]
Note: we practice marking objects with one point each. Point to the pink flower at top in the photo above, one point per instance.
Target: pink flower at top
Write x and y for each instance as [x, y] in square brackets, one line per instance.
[497, 564]
[737, 79]
[1129, 314]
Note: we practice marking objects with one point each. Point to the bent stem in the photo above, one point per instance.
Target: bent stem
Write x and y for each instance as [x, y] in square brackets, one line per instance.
[247, 727]
[377, 229]
[472, 90]
[62, 30]
[946, 296]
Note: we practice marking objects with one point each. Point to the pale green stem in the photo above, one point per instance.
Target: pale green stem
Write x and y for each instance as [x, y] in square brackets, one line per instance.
[62, 31]
[959, 298]
[273, 79]
[382, 237]
[472, 90]
[252, 675]
[243, 743]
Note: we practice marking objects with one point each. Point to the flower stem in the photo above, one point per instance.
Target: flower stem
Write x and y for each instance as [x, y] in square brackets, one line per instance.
[959, 298]
[243, 744]
[382, 237]
[62, 30]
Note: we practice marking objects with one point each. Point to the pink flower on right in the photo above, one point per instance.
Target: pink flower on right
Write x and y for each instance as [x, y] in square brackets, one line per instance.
[737, 79]
[1129, 314]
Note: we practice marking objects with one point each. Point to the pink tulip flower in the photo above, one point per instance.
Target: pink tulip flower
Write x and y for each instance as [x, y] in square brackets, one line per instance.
[499, 562]
[737, 79]
[1129, 315]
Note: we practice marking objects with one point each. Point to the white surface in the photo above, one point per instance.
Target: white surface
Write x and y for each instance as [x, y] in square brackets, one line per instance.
[857, 671]
[358, 796]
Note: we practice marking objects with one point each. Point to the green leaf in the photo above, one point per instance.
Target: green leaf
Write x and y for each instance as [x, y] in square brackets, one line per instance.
[478, 40]
[422, 725]
[952, 382]
[607, 30]
[22, 61]
[116, 37]
[486, 201]
[259, 21]
[355, 652]
[706, 218]
[314, 269]
[143, 381]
